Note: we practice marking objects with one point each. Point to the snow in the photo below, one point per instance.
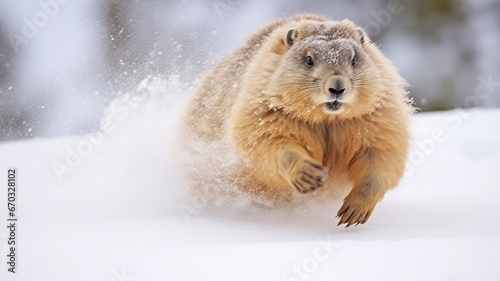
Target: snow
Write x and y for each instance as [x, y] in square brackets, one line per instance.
[113, 206]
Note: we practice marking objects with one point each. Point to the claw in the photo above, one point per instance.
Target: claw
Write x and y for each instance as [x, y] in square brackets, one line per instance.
[341, 212]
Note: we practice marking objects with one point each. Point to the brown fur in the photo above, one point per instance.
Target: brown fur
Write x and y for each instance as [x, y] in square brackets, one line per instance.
[258, 122]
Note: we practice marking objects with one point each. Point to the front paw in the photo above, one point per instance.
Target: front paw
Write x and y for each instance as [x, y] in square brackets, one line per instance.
[355, 210]
[307, 175]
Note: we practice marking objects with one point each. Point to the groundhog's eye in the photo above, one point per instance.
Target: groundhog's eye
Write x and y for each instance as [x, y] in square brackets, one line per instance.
[309, 61]
[353, 63]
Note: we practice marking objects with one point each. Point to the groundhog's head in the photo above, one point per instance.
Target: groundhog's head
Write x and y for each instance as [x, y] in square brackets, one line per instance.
[325, 70]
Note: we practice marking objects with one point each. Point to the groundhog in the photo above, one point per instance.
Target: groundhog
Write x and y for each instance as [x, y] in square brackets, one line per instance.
[306, 108]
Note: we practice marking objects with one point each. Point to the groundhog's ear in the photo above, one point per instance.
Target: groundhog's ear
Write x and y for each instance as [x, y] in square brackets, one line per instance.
[362, 36]
[291, 35]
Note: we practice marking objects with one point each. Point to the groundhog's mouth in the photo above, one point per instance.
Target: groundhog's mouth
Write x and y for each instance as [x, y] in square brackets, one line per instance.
[333, 105]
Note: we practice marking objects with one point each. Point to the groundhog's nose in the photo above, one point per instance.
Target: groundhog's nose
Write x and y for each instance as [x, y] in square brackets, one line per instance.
[336, 85]
[334, 91]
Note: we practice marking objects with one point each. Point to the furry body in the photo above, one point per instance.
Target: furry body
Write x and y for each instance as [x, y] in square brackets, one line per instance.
[306, 108]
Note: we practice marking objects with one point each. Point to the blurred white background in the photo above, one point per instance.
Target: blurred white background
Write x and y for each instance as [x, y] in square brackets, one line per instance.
[62, 61]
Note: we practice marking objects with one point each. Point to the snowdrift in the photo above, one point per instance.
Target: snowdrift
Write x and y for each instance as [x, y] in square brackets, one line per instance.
[113, 206]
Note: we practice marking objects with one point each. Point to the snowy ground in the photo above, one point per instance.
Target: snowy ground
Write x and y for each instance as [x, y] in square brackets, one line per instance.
[112, 207]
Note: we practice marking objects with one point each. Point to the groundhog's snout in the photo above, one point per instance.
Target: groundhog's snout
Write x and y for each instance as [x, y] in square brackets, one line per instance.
[337, 86]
